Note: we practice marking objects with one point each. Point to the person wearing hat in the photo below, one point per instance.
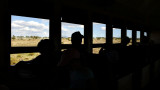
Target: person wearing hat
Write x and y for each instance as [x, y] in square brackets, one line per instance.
[75, 51]
[72, 60]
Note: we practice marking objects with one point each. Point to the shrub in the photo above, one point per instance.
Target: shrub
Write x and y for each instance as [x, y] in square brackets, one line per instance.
[19, 55]
[30, 54]
[98, 38]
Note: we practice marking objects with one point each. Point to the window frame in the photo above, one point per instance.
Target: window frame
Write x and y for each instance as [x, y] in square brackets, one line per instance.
[120, 34]
[98, 45]
[24, 49]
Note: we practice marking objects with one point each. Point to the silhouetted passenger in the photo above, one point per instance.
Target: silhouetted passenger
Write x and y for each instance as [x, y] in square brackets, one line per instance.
[125, 41]
[80, 77]
[42, 67]
[145, 49]
[77, 51]
[145, 41]
[3, 87]
[117, 56]
[110, 53]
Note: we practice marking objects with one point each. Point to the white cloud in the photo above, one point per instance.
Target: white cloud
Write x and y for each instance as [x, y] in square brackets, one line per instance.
[96, 23]
[44, 21]
[75, 26]
[81, 26]
[27, 28]
[71, 25]
[103, 28]
[67, 34]
[64, 29]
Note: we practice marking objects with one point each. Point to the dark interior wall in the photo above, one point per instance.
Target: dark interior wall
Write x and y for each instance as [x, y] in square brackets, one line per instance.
[4, 34]
[155, 36]
[1, 36]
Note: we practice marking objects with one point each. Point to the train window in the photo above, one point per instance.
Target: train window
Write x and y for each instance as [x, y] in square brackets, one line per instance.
[99, 36]
[68, 29]
[15, 58]
[96, 50]
[116, 35]
[27, 31]
[138, 36]
[145, 33]
[129, 34]
[99, 33]
[62, 50]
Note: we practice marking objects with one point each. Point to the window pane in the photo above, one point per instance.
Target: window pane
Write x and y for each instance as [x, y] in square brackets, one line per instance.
[116, 35]
[129, 34]
[96, 50]
[27, 31]
[62, 50]
[15, 58]
[138, 36]
[68, 29]
[145, 33]
[99, 33]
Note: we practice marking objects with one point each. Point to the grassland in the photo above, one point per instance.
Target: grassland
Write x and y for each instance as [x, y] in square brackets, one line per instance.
[29, 42]
[15, 58]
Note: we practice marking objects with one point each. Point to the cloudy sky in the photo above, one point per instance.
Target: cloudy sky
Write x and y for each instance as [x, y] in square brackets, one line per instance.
[26, 26]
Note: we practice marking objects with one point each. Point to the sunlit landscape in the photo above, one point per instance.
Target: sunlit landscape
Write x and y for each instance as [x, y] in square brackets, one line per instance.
[28, 32]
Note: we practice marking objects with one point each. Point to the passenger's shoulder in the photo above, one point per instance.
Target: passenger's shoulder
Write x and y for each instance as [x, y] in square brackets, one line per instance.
[89, 72]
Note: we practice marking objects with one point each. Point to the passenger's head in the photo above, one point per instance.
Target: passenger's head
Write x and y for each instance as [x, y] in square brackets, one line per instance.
[76, 38]
[44, 46]
[125, 41]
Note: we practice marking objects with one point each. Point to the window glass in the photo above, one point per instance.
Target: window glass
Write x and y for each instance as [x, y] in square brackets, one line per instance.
[15, 58]
[99, 33]
[68, 29]
[96, 50]
[129, 34]
[27, 31]
[138, 36]
[145, 33]
[116, 35]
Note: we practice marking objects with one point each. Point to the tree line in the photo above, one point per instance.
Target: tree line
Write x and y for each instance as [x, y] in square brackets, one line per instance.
[22, 37]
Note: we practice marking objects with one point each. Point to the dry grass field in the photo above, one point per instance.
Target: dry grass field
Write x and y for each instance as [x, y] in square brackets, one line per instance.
[25, 42]
[29, 42]
[15, 58]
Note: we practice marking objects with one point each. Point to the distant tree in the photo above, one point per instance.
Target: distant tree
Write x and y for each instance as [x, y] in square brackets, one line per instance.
[21, 37]
[13, 37]
[35, 37]
[45, 37]
[98, 38]
[31, 37]
[69, 39]
[27, 36]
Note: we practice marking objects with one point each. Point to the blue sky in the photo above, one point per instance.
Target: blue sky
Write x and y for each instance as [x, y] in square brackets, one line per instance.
[145, 33]
[68, 29]
[138, 34]
[129, 33]
[116, 32]
[27, 26]
[99, 30]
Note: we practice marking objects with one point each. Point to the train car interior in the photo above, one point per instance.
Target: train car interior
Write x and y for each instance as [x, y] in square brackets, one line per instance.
[121, 44]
